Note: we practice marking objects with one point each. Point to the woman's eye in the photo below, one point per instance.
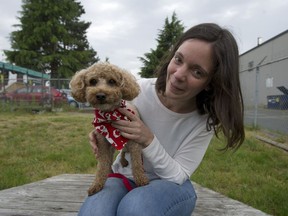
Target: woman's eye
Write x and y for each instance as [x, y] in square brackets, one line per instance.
[177, 59]
[197, 73]
[93, 82]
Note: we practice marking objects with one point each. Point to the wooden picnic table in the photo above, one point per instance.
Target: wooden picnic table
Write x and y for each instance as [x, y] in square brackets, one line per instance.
[63, 195]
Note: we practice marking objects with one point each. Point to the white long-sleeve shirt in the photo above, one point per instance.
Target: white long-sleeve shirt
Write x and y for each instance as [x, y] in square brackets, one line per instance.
[180, 140]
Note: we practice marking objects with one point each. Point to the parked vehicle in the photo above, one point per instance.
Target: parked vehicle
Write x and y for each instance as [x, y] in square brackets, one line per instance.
[71, 101]
[41, 95]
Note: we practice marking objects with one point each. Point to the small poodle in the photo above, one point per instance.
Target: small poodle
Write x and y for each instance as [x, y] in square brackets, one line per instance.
[107, 87]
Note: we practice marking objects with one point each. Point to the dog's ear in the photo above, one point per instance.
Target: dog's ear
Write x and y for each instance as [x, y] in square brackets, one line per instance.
[130, 88]
[78, 86]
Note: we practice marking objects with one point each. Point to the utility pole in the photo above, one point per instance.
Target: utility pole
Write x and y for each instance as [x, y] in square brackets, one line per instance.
[257, 92]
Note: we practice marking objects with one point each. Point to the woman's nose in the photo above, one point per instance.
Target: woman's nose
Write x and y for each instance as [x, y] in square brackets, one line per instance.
[181, 73]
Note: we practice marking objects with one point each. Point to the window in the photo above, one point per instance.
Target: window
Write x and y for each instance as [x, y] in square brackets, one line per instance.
[269, 82]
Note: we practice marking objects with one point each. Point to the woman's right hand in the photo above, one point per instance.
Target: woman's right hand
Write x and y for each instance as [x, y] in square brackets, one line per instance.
[93, 142]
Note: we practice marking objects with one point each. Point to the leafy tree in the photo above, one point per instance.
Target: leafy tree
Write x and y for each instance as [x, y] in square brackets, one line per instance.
[166, 39]
[51, 38]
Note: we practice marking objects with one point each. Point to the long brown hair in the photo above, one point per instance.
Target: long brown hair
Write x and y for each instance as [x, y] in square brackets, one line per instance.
[223, 101]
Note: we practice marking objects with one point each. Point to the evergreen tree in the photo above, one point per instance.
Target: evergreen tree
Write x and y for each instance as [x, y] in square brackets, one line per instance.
[166, 39]
[51, 38]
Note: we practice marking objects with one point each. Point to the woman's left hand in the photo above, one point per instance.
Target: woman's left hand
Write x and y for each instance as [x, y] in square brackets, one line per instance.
[134, 129]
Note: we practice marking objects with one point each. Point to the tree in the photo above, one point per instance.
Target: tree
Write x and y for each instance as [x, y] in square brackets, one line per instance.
[167, 37]
[51, 38]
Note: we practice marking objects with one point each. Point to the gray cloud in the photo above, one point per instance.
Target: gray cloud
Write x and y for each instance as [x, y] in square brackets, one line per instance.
[124, 30]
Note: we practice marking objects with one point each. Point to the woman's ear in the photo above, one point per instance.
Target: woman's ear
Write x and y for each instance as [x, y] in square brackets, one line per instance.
[78, 87]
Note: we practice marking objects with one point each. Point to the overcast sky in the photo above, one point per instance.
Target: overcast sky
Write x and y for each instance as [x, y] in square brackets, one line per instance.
[124, 30]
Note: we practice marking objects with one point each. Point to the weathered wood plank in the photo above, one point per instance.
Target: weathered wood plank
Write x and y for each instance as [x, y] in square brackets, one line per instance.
[212, 203]
[63, 195]
[17, 212]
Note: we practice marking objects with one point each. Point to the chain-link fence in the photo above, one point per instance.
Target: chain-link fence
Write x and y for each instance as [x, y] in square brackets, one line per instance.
[37, 94]
[271, 114]
[265, 94]
[55, 93]
[270, 122]
[269, 117]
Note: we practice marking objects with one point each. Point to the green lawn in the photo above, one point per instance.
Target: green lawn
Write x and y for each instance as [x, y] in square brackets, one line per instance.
[256, 174]
[37, 146]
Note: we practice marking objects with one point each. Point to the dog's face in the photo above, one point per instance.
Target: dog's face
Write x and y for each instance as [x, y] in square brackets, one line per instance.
[103, 92]
[103, 85]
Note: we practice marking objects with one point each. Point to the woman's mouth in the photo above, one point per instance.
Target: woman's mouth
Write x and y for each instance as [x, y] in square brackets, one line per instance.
[175, 89]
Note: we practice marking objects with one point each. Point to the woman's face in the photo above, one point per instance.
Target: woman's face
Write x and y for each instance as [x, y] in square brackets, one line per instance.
[190, 70]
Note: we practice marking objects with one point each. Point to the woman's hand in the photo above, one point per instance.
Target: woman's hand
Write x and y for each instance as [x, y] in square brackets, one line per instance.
[134, 129]
[93, 143]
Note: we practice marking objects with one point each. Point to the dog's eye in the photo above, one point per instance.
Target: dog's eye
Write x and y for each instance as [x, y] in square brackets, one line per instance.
[93, 82]
[112, 82]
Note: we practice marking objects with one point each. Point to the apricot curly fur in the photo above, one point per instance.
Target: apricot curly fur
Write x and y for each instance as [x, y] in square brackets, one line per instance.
[104, 85]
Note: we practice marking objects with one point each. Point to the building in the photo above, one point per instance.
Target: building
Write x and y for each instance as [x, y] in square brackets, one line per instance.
[264, 74]
[10, 74]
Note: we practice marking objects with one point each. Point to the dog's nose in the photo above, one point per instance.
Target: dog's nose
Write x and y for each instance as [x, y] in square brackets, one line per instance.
[101, 96]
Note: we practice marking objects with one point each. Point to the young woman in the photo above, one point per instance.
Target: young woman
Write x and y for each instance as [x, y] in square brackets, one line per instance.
[197, 94]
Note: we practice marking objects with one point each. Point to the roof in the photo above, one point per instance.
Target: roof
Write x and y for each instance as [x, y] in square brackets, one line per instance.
[22, 70]
[271, 39]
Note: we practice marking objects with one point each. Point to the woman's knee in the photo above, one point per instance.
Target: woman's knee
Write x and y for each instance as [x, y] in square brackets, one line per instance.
[136, 202]
[106, 201]
[159, 198]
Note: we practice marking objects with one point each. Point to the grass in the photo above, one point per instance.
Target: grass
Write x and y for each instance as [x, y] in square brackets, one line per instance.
[38, 146]
[256, 174]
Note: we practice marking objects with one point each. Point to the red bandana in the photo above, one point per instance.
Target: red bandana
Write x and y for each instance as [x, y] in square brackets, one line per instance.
[102, 123]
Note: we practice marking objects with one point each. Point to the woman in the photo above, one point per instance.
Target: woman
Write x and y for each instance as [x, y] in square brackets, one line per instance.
[197, 93]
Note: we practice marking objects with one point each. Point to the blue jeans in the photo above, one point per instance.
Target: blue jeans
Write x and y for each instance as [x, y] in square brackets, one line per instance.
[159, 198]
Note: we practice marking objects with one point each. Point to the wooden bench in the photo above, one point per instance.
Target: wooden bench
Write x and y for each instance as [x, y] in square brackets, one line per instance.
[63, 195]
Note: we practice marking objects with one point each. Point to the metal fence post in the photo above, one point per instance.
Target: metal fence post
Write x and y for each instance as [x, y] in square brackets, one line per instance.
[256, 97]
[257, 92]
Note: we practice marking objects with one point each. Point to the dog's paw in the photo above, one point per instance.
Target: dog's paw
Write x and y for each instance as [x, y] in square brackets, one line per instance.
[142, 181]
[94, 189]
